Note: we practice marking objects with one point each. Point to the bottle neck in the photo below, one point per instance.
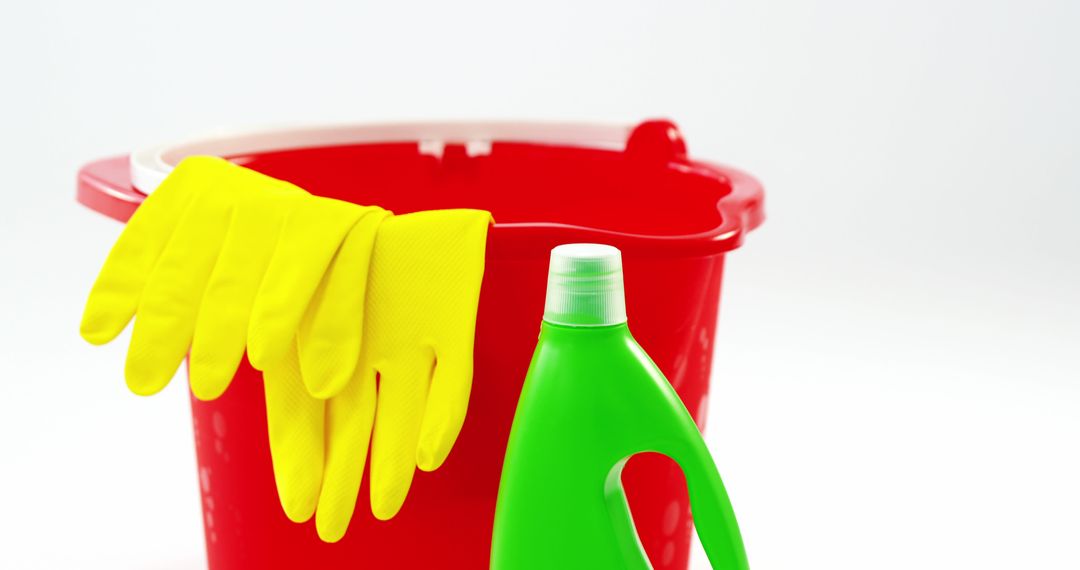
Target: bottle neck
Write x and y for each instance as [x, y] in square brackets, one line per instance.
[560, 328]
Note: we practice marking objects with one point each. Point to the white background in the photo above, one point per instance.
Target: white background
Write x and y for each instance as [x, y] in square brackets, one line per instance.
[897, 382]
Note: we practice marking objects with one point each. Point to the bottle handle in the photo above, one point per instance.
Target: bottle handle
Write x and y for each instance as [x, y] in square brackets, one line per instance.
[709, 503]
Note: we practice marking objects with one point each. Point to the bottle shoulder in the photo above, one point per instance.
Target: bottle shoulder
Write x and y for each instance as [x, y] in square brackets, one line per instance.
[594, 353]
[602, 387]
[586, 346]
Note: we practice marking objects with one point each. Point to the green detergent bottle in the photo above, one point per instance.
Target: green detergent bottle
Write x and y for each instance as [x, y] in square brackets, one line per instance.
[592, 399]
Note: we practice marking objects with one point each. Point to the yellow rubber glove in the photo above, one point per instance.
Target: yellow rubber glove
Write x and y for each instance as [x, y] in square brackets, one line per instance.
[325, 345]
[161, 264]
[219, 250]
[119, 286]
[220, 257]
[194, 258]
[221, 326]
[419, 325]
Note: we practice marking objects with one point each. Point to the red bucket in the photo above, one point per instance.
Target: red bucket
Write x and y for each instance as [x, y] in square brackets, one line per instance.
[672, 217]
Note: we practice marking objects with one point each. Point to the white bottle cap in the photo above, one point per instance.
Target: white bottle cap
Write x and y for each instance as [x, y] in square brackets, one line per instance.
[585, 286]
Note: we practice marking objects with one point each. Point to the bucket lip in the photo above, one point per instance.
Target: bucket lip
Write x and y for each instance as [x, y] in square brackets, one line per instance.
[117, 185]
[740, 211]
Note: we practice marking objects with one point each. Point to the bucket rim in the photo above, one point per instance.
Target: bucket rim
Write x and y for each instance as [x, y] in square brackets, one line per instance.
[117, 185]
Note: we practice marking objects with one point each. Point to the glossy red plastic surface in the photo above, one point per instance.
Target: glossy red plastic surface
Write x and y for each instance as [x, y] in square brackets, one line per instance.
[673, 218]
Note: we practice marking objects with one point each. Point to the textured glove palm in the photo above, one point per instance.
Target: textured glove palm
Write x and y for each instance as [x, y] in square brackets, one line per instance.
[420, 321]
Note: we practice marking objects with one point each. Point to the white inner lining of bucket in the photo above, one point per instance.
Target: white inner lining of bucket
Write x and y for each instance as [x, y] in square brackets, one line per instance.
[150, 166]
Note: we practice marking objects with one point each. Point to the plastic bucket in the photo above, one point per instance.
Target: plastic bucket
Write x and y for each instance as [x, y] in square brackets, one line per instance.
[673, 218]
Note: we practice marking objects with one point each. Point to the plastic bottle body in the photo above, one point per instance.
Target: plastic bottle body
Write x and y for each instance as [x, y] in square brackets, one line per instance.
[592, 399]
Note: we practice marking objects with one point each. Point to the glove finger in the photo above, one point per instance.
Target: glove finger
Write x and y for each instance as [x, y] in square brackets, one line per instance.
[119, 286]
[349, 418]
[170, 302]
[295, 425]
[222, 324]
[447, 403]
[309, 239]
[403, 386]
[331, 331]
